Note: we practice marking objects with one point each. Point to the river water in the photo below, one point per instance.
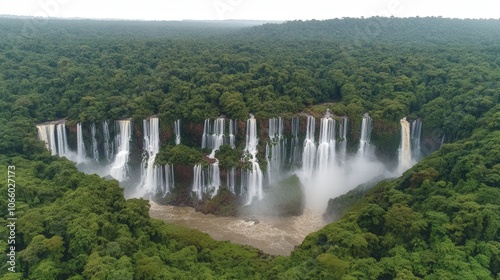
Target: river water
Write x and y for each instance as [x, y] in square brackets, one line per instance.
[272, 235]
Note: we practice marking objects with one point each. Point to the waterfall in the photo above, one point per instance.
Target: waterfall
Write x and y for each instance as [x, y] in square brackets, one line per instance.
[54, 136]
[206, 137]
[326, 146]
[169, 180]
[213, 137]
[108, 146]
[47, 134]
[442, 141]
[119, 167]
[151, 175]
[343, 141]
[95, 149]
[364, 140]
[213, 178]
[198, 180]
[232, 133]
[295, 155]
[405, 159]
[177, 131]
[254, 175]
[81, 153]
[309, 154]
[230, 179]
[62, 142]
[416, 131]
[217, 137]
[275, 150]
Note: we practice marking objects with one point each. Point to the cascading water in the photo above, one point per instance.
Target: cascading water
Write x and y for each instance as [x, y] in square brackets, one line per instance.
[54, 136]
[81, 152]
[309, 154]
[217, 137]
[230, 180]
[95, 149]
[151, 175]
[47, 134]
[232, 133]
[177, 131]
[213, 178]
[405, 159]
[416, 131]
[206, 137]
[295, 156]
[62, 142]
[275, 150]
[108, 146]
[364, 141]
[343, 141]
[169, 180]
[326, 146]
[119, 167]
[213, 137]
[254, 175]
[198, 181]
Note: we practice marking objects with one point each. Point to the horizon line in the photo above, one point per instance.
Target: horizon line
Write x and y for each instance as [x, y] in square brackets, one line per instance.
[232, 19]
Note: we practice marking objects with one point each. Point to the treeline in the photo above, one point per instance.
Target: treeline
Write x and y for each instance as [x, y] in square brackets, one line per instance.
[121, 71]
[439, 220]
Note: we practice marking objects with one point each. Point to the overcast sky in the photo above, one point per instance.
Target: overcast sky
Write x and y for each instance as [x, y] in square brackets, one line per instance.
[249, 9]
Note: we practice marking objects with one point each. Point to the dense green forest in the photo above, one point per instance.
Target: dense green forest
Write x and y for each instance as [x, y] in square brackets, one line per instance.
[440, 220]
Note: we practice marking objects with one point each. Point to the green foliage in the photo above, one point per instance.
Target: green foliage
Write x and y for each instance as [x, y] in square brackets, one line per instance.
[438, 221]
[179, 155]
[229, 157]
[224, 203]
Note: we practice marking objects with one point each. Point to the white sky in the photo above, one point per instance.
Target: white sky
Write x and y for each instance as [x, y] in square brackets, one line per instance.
[249, 9]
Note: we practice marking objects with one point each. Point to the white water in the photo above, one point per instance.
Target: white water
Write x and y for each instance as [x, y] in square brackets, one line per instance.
[364, 142]
[232, 133]
[364, 167]
[119, 167]
[323, 175]
[177, 131]
[213, 178]
[275, 150]
[231, 173]
[416, 131]
[47, 134]
[80, 146]
[216, 139]
[108, 145]
[405, 158]
[151, 175]
[206, 136]
[326, 146]
[198, 180]
[253, 176]
[343, 141]
[295, 156]
[327, 172]
[213, 137]
[169, 180]
[95, 149]
[62, 142]
[309, 153]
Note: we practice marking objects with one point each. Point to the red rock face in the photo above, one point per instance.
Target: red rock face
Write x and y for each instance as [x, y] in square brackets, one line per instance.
[167, 135]
[262, 129]
[183, 175]
[193, 132]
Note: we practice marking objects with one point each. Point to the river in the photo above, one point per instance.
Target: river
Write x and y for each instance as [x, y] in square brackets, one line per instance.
[272, 235]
